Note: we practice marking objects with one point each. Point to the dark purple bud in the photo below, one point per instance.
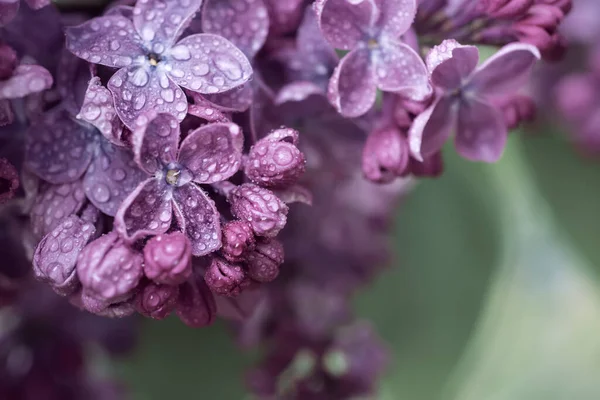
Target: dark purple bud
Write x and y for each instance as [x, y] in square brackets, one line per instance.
[385, 155]
[156, 300]
[56, 255]
[9, 180]
[109, 269]
[238, 239]
[224, 278]
[507, 8]
[8, 61]
[264, 211]
[263, 263]
[196, 305]
[168, 258]
[100, 307]
[431, 167]
[275, 160]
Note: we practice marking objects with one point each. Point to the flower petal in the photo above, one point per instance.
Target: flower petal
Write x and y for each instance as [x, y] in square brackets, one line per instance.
[345, 23]
[196, 304]
[284, 15]
[396, 16]
[480, 134]
[155, 143]
[58, 148]
[207, 63]
[352, 88]
[8, 10]
[146, 211]
[111, 177]
[431, 128]
[137, 91]
[162, 22]
[399, 69]
[506, 71]
[204, 109]
[213, 152]
[37, 4]
[451, 73]
[315, 52]
[110, 41]
[199, 218]
[237, 99]
[298, 91]
[243, 22]
[25, 80]
[54, 204]
[98, 109]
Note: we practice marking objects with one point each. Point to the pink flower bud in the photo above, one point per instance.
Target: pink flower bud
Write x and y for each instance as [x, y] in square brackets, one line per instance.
[156, 300]
[238, 239]
[264, 211]
[168, 258]
[263, 263]
[385, 156]
[224, 278]
[196, 305]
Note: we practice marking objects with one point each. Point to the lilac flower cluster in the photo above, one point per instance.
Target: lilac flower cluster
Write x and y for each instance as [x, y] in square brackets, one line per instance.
[156, 149]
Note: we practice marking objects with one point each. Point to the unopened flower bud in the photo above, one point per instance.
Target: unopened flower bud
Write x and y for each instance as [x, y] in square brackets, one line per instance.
[101, 307]
[263, 263]
[56, 255]
[109, 269]
[385, 155]
[224, 278]
[431, 167]
[156, 300]
[196, 305]
[238, 239]
[264, 211]
[275, 160]
[8, 61]
[168, 258]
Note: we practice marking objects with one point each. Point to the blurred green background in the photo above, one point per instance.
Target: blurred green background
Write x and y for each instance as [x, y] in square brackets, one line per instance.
[493, 293]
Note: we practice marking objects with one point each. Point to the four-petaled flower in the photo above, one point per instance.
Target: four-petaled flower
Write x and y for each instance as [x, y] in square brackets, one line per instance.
[465, 99]
[152, 64]
[209, 154]
[370, 29]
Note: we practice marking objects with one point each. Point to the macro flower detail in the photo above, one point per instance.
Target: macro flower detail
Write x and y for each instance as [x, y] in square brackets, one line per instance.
[465, 96]
[168, 258]
[196, 305]
[56, 255]
[153, 66]
[238, 239]
[53, 204]
[209, 154]
[263, 263]
[224, 278]
[260, 208]
[386, 155]
[109, 270]
[275, 160]
[156, 301]
[377, 59]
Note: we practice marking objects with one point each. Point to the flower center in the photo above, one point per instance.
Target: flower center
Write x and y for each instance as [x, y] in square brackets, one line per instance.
[372, 43]
[172, 176]
[154, 59]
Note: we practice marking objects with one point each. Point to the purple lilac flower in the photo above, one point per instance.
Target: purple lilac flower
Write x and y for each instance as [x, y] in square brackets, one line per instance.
[377, 58]
[464, 100]
[152, 64]
[168, 258]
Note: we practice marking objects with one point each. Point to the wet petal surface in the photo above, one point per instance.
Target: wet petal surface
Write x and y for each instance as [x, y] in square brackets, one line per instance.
[54, 204]
[162, 22]
[345, 23]
[25, 80]
[98, 109]
[155, 143]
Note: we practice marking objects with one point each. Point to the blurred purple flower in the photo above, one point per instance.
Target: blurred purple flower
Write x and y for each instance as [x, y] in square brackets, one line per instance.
[9, 180]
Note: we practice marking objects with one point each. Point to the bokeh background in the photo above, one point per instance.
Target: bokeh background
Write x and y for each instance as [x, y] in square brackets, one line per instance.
[493, 292]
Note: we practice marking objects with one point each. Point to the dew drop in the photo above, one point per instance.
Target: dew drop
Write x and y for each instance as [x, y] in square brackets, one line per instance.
[200, 69]
[181, 53]
[230, 67]
[101, 193]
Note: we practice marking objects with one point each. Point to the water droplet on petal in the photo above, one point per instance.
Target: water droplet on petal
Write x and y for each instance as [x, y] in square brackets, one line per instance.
[167, 95]
[140, 77]
[200, 69]
[181, 53]
[229, 66]
[115, 45]
[101, 193]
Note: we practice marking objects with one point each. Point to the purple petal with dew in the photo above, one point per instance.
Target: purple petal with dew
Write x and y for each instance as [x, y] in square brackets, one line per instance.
[204, 109]
[208, 64]
[237, 99]
[264, 211]
[213, 152]
[56, 255]
[25, 80]
[8, 10]
[451, 73]
[111, 177]
[37, 4]
[55, 203]
[72, 77]
[199, 218]
[163, 22]
[480, 133]
[284, 15]
[58, 148]
[345, 23]
[506, 71]
[440, 53]
[298, 91]
[196, 304]
[98, 109]
[399, 69]
[110, 41]
[295, 194]
[138, 91]
[155, 143]
[431, 128]
[352, 88]
[156, 301]
[396, 16]
[146, 211]
[6, 114]
[245, 23]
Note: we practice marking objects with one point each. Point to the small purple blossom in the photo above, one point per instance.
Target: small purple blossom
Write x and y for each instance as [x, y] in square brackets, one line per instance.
[377, 59]
[264, 211]
[464, 95]
[152, 64]
[168, 258]
[238, 239]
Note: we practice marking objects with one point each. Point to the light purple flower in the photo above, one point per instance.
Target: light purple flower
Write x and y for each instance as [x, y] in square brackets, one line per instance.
[168, 258]
[153, 65]
[209, 154]
[465, 95]
[371, 30]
